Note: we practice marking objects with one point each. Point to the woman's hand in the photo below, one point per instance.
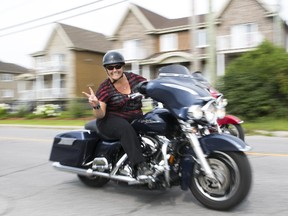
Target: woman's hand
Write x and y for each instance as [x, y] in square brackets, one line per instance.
[92, 99]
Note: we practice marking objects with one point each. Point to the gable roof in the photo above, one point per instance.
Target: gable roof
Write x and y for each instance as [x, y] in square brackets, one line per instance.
[155, 23]
[12, 68]
[267, 9]
[80, 39]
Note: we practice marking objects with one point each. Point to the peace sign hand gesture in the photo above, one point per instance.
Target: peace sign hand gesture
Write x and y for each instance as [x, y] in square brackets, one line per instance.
[92, 99]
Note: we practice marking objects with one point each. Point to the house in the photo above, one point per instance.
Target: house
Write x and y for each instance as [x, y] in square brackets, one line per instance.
[8, 84]
[72, 58]
[243, 25]
[149, 41]
[70, 62]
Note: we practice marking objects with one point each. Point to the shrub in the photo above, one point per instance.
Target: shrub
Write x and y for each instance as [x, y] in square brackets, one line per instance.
[78, 108]
[255, 84]
[4, 109]
[47, 110]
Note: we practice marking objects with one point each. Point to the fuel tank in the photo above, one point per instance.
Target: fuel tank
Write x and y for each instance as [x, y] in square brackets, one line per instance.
[157, 122]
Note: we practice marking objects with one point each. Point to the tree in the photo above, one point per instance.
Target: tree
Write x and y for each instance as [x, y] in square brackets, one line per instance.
[256, 84]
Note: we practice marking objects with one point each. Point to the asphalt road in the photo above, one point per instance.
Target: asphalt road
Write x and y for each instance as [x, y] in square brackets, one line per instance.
[30, 186]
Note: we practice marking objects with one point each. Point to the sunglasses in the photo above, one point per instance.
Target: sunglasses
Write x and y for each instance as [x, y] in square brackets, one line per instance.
[111, 67]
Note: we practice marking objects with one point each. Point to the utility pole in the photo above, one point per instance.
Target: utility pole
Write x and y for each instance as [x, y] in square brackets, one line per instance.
[211, 44]
[278, 25]
[194, 66]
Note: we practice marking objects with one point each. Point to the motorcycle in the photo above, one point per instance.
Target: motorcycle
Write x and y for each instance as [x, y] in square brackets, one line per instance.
[230, 124]
[175, 142]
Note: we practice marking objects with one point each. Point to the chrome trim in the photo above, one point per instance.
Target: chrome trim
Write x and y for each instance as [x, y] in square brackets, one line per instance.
[166, 165]
[91, 173]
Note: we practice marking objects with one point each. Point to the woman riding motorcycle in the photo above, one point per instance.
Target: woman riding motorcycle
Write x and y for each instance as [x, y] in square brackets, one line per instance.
[115, 110]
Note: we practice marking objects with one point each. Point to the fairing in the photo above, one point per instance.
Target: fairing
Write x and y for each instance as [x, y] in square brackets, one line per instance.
[177, 91]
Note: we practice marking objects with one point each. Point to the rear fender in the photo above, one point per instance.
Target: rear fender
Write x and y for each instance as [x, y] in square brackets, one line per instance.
[222, 142]
[229, 119]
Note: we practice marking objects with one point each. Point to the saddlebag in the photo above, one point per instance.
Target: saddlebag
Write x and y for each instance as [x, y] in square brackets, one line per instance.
[74, 148]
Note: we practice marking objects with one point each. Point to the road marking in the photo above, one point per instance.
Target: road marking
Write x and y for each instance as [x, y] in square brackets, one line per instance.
[51, 140]
[267, 154]
[26, 139]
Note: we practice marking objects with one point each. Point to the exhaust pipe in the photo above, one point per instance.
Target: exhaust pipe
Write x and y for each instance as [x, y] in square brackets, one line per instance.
[90, 173]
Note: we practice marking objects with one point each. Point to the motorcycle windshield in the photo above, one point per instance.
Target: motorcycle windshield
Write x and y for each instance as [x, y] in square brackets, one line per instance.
[177, 90]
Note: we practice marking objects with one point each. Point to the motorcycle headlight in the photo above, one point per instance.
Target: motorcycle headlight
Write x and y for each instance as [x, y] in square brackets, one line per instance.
[222, 102]
[221, 112]
[210, 112]
[195, 112]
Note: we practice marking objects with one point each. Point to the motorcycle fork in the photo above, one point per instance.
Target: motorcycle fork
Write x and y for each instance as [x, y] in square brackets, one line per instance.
[166, 163]
[195, 144]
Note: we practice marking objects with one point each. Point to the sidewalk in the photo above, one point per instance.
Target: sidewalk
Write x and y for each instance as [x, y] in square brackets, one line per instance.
[44, 126]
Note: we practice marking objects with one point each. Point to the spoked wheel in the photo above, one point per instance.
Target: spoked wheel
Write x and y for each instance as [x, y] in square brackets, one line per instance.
[233, 173]
[234, 129]
[93, 181]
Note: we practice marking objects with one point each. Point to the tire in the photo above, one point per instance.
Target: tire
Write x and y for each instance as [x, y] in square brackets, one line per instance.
[234, 129]
[233, 171]
[96, 181]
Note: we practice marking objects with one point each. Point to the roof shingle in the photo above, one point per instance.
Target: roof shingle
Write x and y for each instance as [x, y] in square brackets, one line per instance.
[12, 68]
[86, 40]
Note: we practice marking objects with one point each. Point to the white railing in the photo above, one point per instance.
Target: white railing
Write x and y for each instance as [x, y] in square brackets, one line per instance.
[27, 95]
[45, 67]
[248, 40]
[52, 93]
[133, 54]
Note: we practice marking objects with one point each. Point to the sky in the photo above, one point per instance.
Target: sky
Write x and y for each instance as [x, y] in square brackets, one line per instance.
[25, 25]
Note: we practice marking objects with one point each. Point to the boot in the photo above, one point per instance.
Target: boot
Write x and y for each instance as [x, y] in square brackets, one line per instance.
[143, 169]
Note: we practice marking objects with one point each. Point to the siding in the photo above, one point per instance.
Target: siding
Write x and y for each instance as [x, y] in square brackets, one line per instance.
[89, 71]
[245, 11]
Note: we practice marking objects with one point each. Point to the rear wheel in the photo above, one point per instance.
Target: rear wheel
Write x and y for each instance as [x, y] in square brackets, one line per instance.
[233, 173]
[93, 181]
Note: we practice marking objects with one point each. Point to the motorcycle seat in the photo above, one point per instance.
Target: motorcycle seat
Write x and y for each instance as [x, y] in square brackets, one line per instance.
[92, 126]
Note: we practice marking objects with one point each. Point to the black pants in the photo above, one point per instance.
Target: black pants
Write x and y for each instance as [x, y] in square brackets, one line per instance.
[119, 128]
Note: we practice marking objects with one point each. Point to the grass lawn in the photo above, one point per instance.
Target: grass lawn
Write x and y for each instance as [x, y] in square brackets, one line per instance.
[267, 124]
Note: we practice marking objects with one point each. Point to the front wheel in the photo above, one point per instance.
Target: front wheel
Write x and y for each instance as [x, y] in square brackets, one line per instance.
[233, 173]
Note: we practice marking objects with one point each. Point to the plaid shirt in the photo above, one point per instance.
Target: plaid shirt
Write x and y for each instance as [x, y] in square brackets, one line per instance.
[119, 104]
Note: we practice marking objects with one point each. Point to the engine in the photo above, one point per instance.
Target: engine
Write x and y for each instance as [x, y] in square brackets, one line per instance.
[149, 145]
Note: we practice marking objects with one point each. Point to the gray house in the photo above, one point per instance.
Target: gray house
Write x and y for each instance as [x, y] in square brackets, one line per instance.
[9, 85]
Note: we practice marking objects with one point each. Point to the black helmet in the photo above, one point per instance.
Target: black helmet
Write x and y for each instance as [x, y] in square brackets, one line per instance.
[113, 57]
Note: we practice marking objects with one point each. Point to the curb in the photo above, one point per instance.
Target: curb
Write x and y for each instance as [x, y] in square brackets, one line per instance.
[272, 133]
[258, 132]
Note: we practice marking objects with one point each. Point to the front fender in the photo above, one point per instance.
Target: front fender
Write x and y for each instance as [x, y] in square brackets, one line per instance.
[229, 119]
[222, 142]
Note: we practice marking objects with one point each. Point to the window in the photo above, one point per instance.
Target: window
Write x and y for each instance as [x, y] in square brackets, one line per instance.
[57, 60]
[168, 42]
[39, 62]
[6, 77]
[7, 93]
[244, 35]
[133, 49]
[202, 38]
